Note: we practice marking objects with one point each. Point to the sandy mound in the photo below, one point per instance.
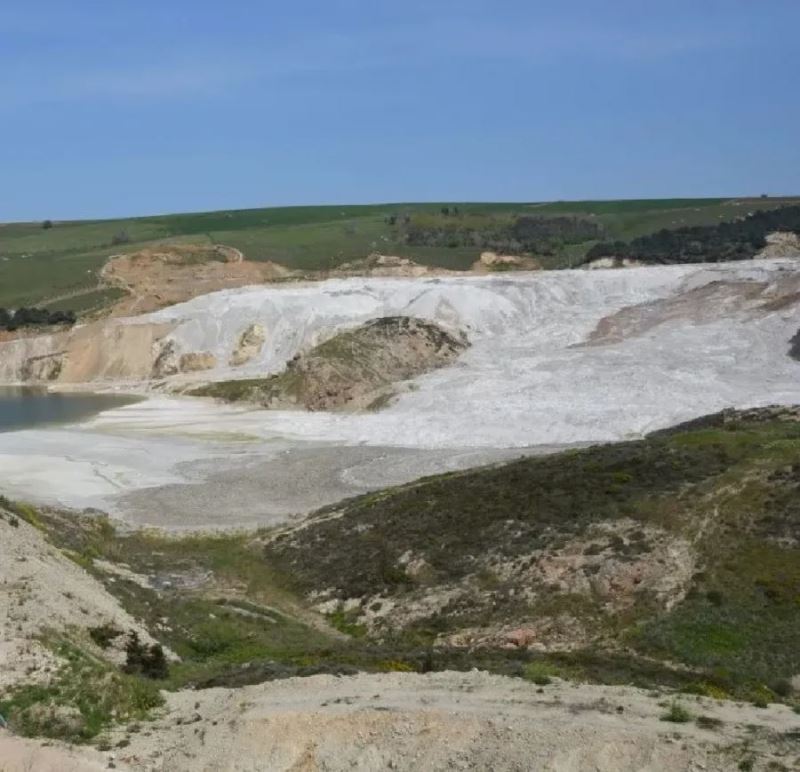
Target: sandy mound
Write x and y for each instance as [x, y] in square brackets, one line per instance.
[20, 755]
[42, 590]
[491, 262]
[171, 274]
[356, 369]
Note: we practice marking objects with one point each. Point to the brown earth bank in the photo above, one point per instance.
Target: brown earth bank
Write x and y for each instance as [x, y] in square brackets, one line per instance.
[357, 369]
[159, 277]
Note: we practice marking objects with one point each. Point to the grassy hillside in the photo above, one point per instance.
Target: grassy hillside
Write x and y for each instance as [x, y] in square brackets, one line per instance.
[684, 547]
[671, 563]
[59, 264]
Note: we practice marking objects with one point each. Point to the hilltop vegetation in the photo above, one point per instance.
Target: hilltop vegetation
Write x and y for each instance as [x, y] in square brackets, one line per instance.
[739, 240]
[34, 317]
[519, 234]
[58, 265]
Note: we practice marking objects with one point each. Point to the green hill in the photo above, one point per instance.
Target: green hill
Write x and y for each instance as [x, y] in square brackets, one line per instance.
[57, 263]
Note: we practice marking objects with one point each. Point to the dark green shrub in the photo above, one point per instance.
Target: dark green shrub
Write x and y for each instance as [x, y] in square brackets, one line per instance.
[104, 635]
[148, 661]
[677, 714]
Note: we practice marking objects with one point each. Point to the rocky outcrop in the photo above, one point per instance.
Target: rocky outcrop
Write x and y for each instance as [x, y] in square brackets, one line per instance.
[248, 346]
[166, 359]
[794, 346]
[490, 262]
[196, 361]
[46, 367]
[169, 362]
[386, 265]
[613, 262]
[780, 244]
[357, 369]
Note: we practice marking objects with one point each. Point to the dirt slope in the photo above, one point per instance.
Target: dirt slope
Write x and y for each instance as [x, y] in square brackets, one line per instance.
[42, 591]
[683, 546]
[155, 278]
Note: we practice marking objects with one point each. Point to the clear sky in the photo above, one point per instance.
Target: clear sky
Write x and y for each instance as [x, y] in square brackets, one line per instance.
[124, 107]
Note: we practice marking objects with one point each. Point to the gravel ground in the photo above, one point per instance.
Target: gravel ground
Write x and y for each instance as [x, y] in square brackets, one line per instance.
[269, 489]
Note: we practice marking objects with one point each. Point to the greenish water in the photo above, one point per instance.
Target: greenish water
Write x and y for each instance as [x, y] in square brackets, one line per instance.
[27, 408]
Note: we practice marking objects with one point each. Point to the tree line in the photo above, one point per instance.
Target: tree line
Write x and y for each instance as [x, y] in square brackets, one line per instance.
[537, 235]
[738, 240]
[34, 317]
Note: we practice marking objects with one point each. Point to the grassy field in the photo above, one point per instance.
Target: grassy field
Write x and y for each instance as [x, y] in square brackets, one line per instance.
[38, 264]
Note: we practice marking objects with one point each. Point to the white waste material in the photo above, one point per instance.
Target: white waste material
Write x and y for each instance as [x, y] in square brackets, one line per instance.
[525, 381]
[521, 383]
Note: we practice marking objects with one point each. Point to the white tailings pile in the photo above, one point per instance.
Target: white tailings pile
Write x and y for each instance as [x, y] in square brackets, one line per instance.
[522, 382]
[711, 336]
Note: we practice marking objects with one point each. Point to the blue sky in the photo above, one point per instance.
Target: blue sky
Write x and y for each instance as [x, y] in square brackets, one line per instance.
[124, 108]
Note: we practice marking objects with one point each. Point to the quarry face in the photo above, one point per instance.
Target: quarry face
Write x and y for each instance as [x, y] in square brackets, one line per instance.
[555, 359]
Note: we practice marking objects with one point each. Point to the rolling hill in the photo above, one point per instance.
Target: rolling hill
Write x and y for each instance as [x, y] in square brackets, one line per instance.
[56, 263]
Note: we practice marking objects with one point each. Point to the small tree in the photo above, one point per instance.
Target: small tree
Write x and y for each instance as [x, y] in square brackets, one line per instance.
[143, 660]
[47, 224]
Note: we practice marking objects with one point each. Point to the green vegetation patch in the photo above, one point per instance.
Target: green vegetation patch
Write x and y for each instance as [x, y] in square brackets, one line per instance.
[85, 697]
[724, 241]
[512, 509]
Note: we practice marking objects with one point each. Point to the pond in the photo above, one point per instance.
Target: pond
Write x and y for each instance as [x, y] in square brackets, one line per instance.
[25, 408]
